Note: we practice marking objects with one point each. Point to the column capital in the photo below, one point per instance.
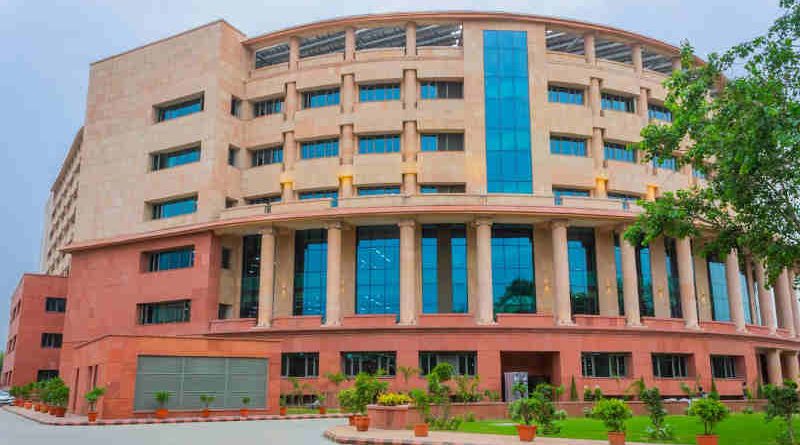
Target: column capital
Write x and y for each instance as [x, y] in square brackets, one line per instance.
[482, 222]
[559, 223]
[407, 223]
[267, 230]
[333, 225]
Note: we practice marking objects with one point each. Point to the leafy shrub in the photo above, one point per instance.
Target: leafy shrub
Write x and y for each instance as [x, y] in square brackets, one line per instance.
[573, 390]
[783, 402]
[469, 417]
[162, 397]
[207, 400]
[347, 400]
[748, 410]
[710, 411]
[587, 412]
[613, 413]
[560, 414]
[657, 429]
[493, 396]
[467, 389]
[393, 399]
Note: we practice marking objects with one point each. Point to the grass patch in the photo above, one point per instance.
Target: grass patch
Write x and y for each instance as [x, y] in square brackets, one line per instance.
[738, 429]
[301, 410]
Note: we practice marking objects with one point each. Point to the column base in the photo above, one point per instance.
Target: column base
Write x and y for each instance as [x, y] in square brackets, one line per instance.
[407, 323]
[332, 324]
[635, 325]
[264, 325]
[565, 323]
[486, 323]
[693, 327]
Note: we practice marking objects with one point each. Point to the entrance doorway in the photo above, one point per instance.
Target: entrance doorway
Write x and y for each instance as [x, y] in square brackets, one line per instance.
[540, 367]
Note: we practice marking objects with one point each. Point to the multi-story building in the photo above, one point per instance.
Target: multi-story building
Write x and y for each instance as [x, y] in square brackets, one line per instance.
[390, 191]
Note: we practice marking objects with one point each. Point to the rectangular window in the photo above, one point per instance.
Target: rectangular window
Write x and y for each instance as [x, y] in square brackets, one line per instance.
[224, 311]
[267, 199]
[508, 125]
[164, 312]
[559, 194]
[233, 155]
[381, 190]
[176, 207]
[310, 272]
[665, 163]
[266, 156]
[300, 364]
[564, 95]
[513, 284]
[51, 340]
[267, 107]
[321, 98]
[167, 112]
[387, 143]
[377, 93]
[659, 112]
[626, 199]
[225, 260]
[618, 152]
[378, 270]
[645, 274]
[560, 145]
[582, 271]
[443, 188]
[170, 259]
[464, 363]
[55, 304]
[251, 275]
[321, 194]
[161, 161]
[46, 374]
[673, 284]
[720, 311]
[236, 106]
[442, 142]
[670, 366]
[324, 148]
[616, 102]
[724, 366]
[604, 364]
[444, 269]
[442, 90]
[369, 362]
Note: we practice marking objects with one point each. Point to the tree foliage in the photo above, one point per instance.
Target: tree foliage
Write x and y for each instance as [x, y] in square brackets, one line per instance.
[736, 120]
[783, 402]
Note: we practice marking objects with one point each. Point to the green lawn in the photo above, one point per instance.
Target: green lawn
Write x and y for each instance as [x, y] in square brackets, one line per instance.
[300, 410]
[738, 429]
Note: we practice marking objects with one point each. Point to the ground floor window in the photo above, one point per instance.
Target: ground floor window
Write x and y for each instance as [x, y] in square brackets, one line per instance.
[444, 269]
[165, 312]
[369, 362]
[464, 363]
[46, 374]
[251, 275]
[300, 364]
[724, 366]
[603, 364]
[378, 270]
[670, 366]
[310, 271]
[582, 271]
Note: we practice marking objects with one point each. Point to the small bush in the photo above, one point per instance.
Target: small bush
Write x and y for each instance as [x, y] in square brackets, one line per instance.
[560, 414]
[587, 412]
[393, 399]
[748, 410]
[613, 413]
[710, 411]
[469, 417]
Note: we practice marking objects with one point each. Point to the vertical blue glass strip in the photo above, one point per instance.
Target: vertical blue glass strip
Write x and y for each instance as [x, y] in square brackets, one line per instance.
[507, 109]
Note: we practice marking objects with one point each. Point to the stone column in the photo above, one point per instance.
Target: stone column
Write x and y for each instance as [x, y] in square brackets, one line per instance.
[266, 288]
[294, 52]
[783, 300]
[636, 57]
[483, 237]
[348, 93]
[561, 303]
[595, 97]
[291, 101]
[795, 304]
[642, 105]
[409, 89]
[333, 304]
[683, 251]
[766, 302]
[601, 187]
[588, 48]
[408, 269]
[734, 290]
[598, 152]
[411, 39]
[349, 44]
[630, 282]
[792, 366]
[775, 374]
[410, 149]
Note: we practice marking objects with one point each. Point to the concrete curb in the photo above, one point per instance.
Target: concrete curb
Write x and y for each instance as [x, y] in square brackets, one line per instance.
[65, 421]
[351, 440]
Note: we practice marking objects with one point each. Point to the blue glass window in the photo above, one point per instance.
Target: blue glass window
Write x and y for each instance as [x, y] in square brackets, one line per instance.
[170, 259]
[582, 271]
[175, 158]
[444, 269]
[748, 314]
[626, 199]
[168, 209]
[567, 146]
[310, 271]
[321, 98]
[374, 93]
[512, 269]
[378, 270]
[443, 188]
[620, 282]
[382, 190]
[720, 311]
[266, 156]
[324, 148]
[560, 193]
[659, 112]
[665, 163]
[251, 276]
[618, 152]
[387, 143]
[564, 95]
[267, 107]
[673, 284]
[320, 194]
[508, 127]
[616, 102]
[443, 142]
[645, 272]
[184, 108]
[442, 90]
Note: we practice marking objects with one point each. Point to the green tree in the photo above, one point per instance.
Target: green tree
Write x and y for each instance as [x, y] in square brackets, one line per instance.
[783, 402]
[745, 137]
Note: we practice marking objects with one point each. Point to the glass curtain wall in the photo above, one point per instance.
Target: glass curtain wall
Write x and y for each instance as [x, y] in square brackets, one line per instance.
[310, 271]
[444, 269]
[512, 269]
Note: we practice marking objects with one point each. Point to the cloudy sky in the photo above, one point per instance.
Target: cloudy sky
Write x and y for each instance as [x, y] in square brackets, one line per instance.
[48, 46]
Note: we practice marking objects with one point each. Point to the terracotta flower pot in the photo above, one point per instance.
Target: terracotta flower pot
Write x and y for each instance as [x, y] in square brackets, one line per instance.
[616, 438]
[205, 413]
[244, 412]
[421, 430]
[710, 439]
[351, 420]
[323, 410]
[27, 404]
[51, 410]
[18, 402]
[362, 423]
[283, 411]
[162, 413]
[526, 432]
[60, 411]
[92, 416]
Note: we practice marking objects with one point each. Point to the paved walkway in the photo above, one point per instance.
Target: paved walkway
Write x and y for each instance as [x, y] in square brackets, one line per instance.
[348, 435]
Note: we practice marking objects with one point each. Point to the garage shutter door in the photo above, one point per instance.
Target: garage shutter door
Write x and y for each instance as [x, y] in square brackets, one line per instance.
[187, 378]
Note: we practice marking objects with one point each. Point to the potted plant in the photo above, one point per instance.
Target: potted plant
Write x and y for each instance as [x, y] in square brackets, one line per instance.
[522, 411]
[710, 411]
[367, 388]
[206, 400]
[162, 397]
[321, 397]
[25, 391]
[59, 396]
[282, 403]
[613, 413]
[336, 379]
[346, 398]
[91, 398]
[244, 411]
[423, 403]
[15, 393]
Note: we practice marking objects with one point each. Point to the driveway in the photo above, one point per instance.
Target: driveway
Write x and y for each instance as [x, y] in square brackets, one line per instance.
[17, 430]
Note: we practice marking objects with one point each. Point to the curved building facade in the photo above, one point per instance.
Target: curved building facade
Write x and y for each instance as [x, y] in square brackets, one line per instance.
[390, 191]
